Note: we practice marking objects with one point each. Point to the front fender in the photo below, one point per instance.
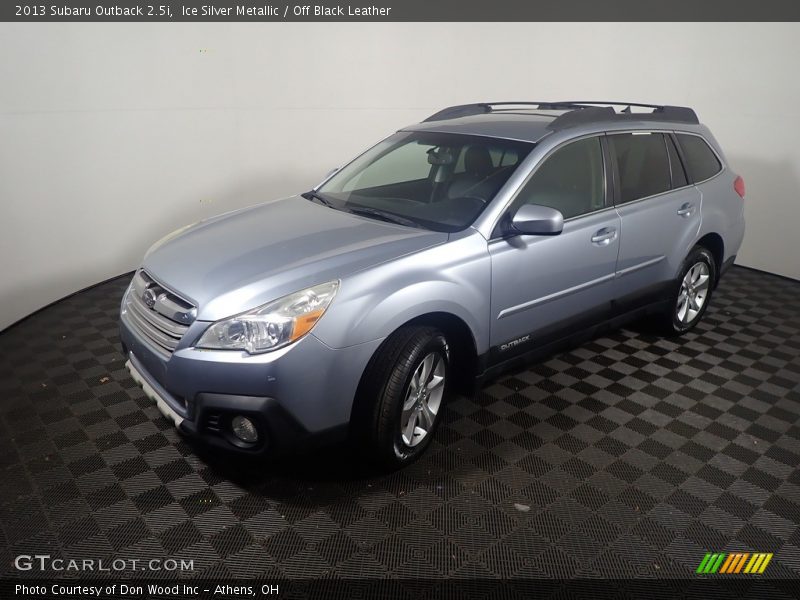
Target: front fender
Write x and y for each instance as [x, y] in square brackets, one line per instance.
[452, 278]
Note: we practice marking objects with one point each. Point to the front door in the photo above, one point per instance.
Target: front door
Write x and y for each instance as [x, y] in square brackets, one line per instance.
[545, 286]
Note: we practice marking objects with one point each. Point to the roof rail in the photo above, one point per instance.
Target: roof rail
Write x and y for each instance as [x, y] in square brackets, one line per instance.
[579, 112]
[460, 110]
[479, 108]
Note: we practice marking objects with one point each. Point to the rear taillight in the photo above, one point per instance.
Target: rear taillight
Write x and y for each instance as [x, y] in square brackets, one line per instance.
[738, 185]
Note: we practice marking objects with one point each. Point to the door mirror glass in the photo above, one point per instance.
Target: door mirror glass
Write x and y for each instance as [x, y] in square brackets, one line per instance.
[534, 219]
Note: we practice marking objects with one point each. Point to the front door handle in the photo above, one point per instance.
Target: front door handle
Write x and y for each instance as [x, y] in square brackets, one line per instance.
[686, 210]
[604, 236]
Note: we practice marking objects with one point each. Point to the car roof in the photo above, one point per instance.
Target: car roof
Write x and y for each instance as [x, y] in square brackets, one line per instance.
[526, 127]
[532, 121]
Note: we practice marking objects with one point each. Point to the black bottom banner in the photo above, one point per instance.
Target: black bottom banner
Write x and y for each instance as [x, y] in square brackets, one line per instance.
[411, 589]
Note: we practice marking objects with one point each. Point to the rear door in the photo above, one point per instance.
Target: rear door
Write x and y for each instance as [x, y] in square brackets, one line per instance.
[659, 212]
[545, 286]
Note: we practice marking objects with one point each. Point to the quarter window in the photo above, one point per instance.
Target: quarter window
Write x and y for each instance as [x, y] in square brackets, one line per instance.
[571, 180]
[678, 174]
[701, 162]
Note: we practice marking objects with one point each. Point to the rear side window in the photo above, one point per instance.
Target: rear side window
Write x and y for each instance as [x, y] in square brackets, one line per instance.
[642, 163]
[701, 162]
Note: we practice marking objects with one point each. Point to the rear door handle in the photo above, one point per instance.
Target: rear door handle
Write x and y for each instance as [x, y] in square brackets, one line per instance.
[686, 210]
[604, 236]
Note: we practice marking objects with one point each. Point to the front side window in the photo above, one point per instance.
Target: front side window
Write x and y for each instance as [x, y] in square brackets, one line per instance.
[571, 180]
[438, 181]
[701, 162]
[642, 164]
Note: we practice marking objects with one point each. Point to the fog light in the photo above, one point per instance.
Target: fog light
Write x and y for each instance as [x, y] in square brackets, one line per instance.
[244, 429]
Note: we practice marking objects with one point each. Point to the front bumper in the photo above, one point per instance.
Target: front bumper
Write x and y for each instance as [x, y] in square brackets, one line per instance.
[211, 422]
[297, 396]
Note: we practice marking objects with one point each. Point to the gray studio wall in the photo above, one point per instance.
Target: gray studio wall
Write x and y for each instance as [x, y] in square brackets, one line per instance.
[112, 135]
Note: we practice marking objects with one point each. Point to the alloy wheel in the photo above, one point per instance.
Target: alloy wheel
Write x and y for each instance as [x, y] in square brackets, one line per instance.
[693, 293]
[423, 400]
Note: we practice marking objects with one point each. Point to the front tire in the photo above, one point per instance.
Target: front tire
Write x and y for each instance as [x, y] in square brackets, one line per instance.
[691, 293]
[404, 390]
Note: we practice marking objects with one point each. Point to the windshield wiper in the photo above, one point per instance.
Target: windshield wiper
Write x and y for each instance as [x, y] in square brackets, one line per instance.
[313, 195]
[366, 211]
[384, 215]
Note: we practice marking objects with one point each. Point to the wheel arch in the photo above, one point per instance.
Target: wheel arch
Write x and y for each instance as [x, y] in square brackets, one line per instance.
[713, 243]
[463, 356]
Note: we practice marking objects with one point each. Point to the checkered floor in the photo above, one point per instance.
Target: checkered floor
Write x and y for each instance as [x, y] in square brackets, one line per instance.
[628, 456]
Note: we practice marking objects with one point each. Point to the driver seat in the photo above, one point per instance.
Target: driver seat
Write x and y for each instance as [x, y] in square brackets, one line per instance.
[477, 167]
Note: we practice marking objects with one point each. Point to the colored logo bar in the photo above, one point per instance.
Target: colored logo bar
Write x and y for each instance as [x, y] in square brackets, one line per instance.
[734, 562]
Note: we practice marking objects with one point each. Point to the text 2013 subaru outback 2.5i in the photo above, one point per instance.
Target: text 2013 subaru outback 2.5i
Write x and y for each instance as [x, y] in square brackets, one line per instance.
[487, 234]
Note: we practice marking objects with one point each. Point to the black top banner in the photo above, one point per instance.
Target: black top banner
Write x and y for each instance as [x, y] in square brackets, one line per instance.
[400, 10]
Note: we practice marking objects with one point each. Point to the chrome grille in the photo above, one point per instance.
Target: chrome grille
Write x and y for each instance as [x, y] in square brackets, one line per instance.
[160, 315]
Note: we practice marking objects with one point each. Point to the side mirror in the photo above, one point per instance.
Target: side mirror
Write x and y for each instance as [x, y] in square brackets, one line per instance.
[534, 219]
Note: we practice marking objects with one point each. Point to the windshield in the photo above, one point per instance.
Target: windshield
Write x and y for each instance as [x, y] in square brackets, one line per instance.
[438, 181]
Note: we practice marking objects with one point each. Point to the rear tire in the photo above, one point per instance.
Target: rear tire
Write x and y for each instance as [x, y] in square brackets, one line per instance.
[403, 392]
[690, 294]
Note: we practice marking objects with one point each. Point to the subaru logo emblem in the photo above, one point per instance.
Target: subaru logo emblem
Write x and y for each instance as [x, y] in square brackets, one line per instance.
[149, 298]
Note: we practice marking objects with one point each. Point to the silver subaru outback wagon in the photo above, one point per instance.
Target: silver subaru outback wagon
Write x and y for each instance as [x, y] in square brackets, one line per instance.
[486, 235]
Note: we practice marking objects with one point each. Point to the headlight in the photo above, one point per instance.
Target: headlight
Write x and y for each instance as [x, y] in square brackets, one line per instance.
[273, 325]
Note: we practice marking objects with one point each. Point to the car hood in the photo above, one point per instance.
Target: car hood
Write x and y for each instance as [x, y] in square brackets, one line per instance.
[243, 259]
